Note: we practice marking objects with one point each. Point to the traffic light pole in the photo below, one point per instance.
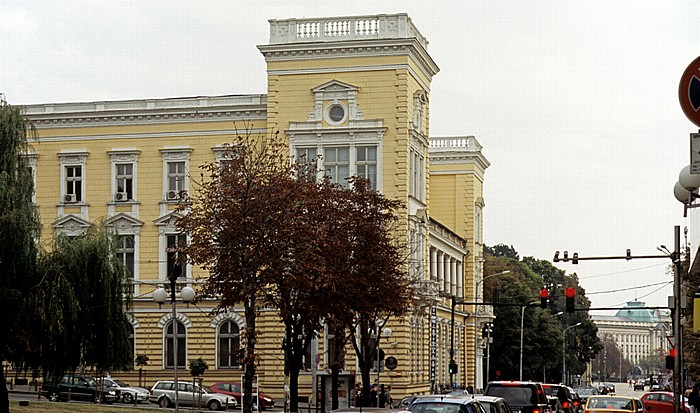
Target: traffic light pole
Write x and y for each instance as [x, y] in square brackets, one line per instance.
[675, 257]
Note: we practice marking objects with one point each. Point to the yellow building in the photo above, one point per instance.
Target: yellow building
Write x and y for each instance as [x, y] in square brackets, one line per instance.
[354, 89]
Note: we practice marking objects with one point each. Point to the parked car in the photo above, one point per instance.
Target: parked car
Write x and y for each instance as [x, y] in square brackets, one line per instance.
[638, 385]
[163, 394]
[447, 405]
[522, 396]
[127, 394]
[406, 402]
[655, 387]
[563, 393]
[641, 407]
[494, 404]
[77, 387]
[662, 402]
[612, 404]
[234, 389]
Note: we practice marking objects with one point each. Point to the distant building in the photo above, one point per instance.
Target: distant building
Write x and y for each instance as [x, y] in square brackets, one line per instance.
[639, 332]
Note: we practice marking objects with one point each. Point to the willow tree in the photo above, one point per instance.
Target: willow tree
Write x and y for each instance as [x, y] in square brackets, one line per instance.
[83, 304]
[238, 219]
[19, 228]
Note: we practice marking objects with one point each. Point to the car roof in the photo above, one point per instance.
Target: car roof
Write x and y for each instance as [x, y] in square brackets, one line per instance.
[481, 397]
[448, 399]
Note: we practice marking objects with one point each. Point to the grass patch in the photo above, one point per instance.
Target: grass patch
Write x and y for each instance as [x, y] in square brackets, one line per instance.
[60, 407]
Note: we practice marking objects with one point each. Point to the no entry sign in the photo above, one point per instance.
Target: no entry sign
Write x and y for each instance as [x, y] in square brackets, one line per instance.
[689, 92]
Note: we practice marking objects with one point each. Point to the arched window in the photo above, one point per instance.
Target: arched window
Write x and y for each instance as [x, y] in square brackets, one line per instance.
[229, 345]
[181, 345]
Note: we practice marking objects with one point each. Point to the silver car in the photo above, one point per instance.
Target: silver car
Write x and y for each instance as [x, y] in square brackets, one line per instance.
[127, 394]
[163, 394]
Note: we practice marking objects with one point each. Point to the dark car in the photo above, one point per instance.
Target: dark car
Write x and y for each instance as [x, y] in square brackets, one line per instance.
[562, 393]
[234, 389]
[494, 404]
[522, 396]
[555, 404]
[78, 387]
[639, 385]
[446, 405]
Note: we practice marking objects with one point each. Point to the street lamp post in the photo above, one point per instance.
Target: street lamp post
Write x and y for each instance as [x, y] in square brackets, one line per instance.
[563, 352]
[522, 322]
[187, 295]
[477, 296]
[489, 329]
[386, 332]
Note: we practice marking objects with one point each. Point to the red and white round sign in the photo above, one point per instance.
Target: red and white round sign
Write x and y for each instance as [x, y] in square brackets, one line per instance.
[689, 92]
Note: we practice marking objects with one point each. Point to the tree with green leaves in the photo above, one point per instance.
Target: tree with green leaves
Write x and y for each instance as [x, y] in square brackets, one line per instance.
[19, 230]
[83, 305]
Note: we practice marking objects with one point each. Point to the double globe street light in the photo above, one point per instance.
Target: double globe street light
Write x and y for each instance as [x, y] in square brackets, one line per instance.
[187, 295]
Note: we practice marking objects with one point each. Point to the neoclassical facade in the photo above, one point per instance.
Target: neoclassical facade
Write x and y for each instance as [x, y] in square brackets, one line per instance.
[353, 89]
[638, 332]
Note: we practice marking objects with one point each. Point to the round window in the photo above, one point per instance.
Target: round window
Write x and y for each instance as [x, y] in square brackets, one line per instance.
[336, 113]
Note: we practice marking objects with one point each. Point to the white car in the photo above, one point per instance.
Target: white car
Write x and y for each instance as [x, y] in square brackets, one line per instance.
[163, 394]
[127, 394]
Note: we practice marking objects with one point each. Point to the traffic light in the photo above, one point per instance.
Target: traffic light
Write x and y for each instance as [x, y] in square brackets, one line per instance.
[453, 368]
[670, 359]
[570, 299]
[575, 259]
[544, 297]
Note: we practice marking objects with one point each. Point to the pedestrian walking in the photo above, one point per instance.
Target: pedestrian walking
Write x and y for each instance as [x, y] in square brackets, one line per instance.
[694, 398]
[388, 398]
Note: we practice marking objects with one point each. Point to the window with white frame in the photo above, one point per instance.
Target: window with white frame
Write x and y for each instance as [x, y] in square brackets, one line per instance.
[72, 176]
[181, 344]
[125, 255]
[417, 175]
[177, 262]
[340, 162]
[175, 167]
[31, 158]
[229, 345]
[124, 174]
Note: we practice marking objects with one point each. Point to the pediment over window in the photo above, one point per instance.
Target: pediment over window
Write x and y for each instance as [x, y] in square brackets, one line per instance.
[168, 223]
[335, 103]
[71, 225]
[124, 223]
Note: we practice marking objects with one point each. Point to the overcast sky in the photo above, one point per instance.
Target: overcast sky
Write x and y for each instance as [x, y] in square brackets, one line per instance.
[575, 102]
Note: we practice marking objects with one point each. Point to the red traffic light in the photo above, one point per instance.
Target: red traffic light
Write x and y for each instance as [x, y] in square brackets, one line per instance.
[544, 293]
[672, 352]
[570, 292]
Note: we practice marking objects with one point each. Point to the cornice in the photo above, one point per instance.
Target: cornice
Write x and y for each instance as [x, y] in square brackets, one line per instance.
[352, 48]
[149, 111]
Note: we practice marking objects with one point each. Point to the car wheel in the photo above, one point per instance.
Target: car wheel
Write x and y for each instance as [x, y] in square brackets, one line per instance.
[164, 402]
[53, 397]
[128, 398]
[214, 405]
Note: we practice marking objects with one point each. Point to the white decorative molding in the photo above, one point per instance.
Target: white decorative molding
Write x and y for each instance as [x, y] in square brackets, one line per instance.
[168, 223]
[149, 111]
[179, 316]
[71, 225]
[124, 224]
[459, 149]
[227, 315]
[332, 29]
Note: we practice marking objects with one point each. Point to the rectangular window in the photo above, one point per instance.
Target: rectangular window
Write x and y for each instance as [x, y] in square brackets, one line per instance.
[125, 179]
[176, 176]
[177, 264]
[366, 163]
[74, 180]
[337, 164]
[125, 255]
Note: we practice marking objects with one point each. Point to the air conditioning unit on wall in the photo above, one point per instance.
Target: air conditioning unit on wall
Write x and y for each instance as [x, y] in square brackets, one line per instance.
[121, 196]
[70, 199]
[172, 195]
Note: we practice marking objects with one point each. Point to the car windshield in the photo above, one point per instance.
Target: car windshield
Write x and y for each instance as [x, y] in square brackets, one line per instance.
[611, 403]
[550, 390]
[587, 391]
[121, 383]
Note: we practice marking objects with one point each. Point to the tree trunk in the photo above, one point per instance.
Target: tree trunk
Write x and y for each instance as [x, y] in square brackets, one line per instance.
[335, 371]
[4, 397]
[294, 390]
[249, 364]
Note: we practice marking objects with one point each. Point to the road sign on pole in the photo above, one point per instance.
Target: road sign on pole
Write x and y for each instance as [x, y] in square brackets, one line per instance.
[689, 91]
[695, 153]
